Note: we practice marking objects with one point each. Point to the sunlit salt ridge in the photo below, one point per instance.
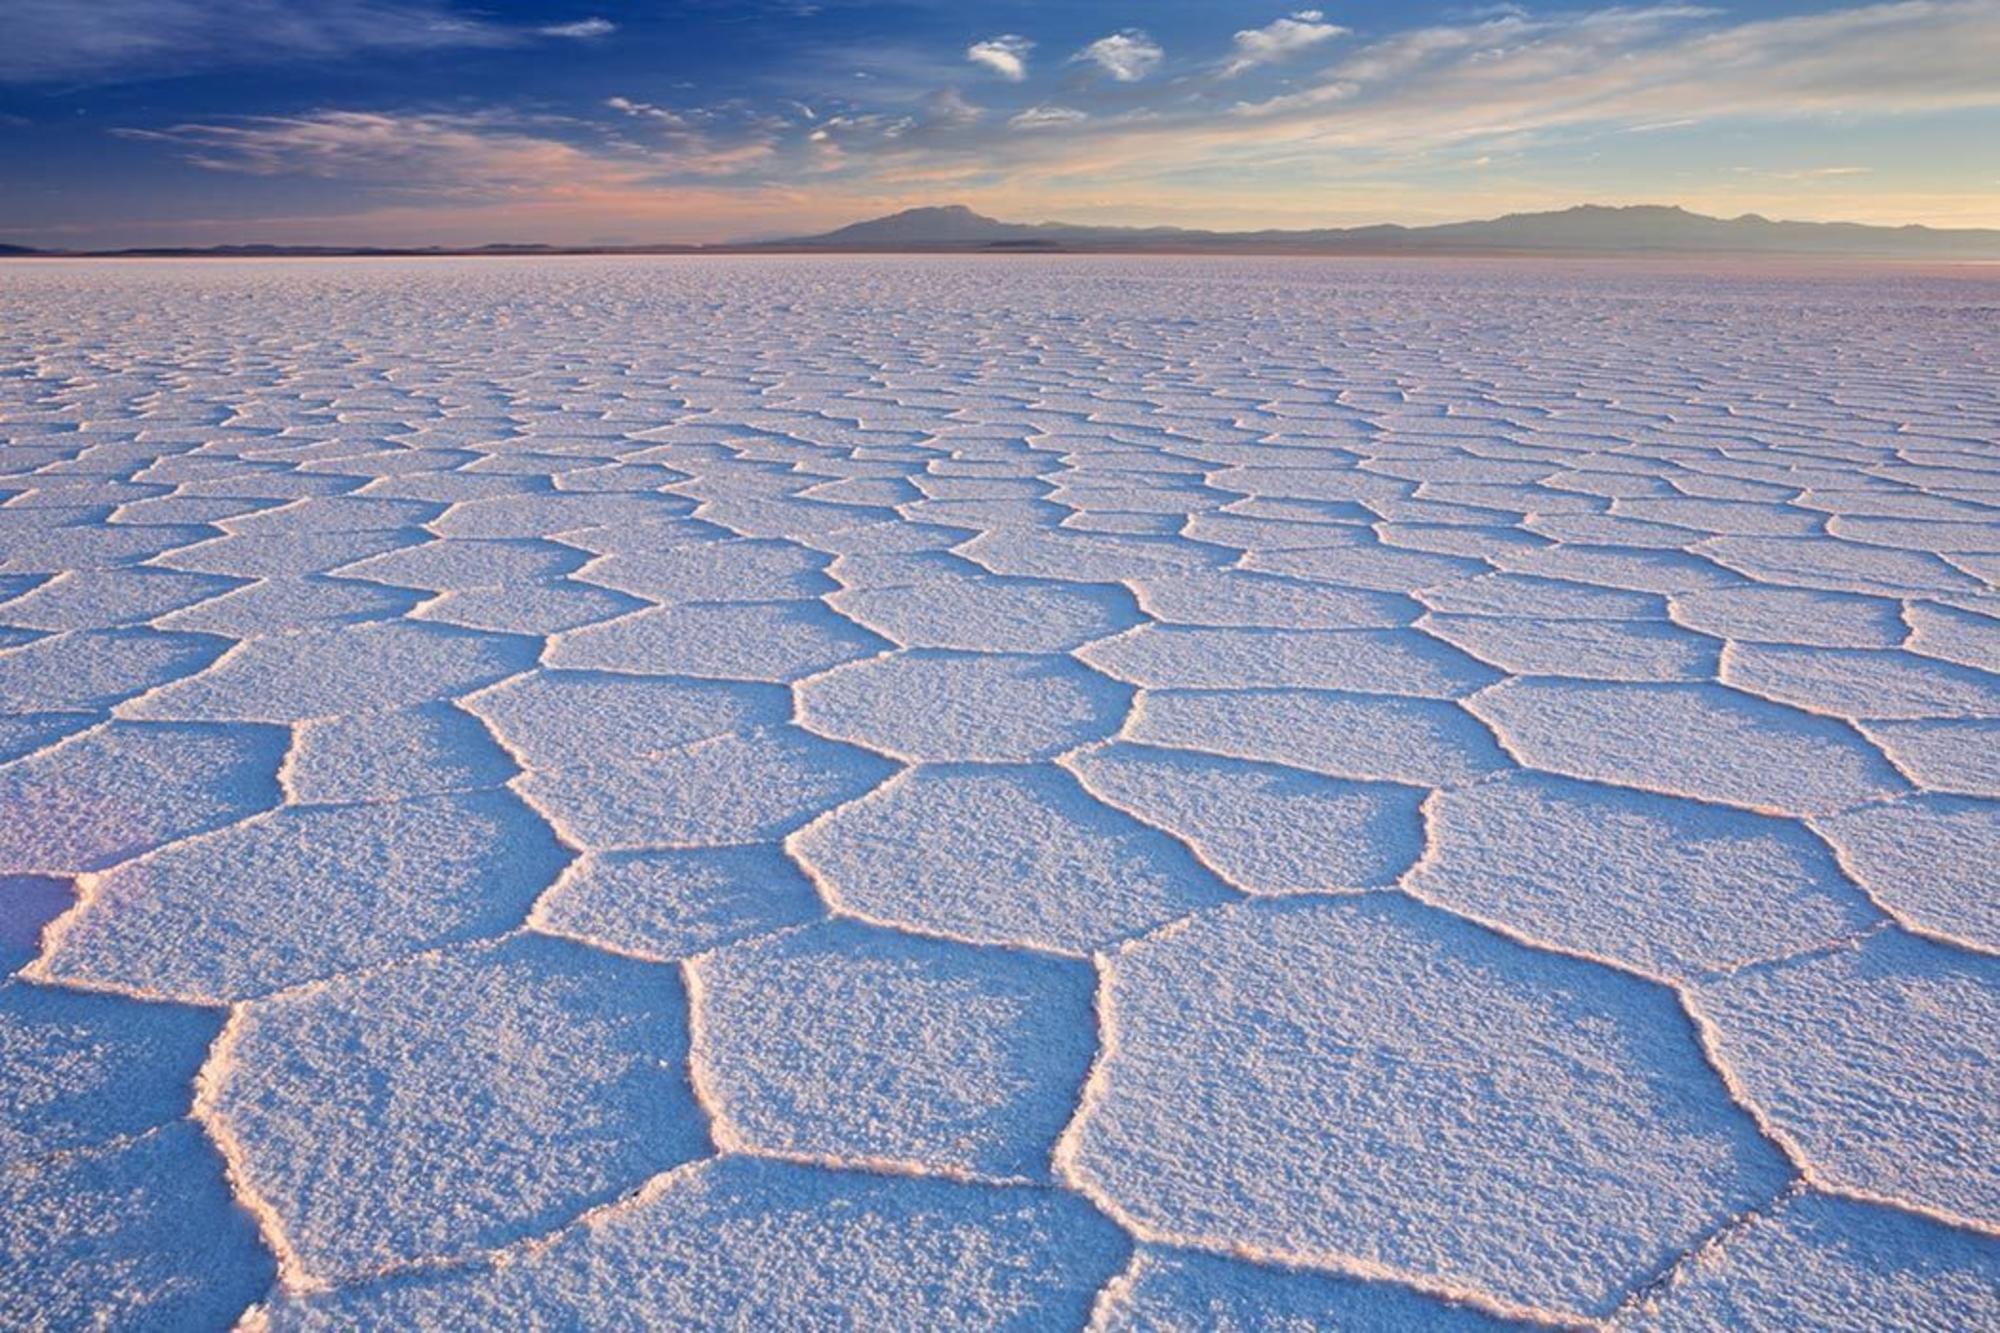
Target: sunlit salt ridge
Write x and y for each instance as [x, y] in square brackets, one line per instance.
[1137, 794]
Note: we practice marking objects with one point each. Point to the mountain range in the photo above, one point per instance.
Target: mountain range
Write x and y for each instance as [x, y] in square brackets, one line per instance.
[1585, 229]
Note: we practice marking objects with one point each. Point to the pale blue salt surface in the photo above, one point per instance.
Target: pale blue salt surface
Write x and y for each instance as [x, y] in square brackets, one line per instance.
[1128, 793]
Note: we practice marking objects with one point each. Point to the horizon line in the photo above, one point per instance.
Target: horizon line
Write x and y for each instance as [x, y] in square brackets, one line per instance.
[1093, 237]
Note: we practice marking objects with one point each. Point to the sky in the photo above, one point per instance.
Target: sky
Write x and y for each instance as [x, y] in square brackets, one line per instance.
[414, 122]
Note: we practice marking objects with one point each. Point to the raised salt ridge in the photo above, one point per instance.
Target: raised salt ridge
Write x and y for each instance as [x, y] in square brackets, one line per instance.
[947, 793]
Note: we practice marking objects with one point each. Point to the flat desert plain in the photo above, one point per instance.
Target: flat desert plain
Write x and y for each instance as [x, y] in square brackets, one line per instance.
[1030, 792]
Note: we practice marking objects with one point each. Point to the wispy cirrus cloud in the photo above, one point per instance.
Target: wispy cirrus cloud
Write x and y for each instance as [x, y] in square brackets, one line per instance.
[485, 155]
[1280, 39]
[581, 29]
[1632, 68]
[429, 154]
[1047, 117]
[1803, 173]
[105, 41]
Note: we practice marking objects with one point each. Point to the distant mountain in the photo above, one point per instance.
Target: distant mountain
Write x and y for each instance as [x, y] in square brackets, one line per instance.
[954, 228]
[953, 224]
[1587, 228]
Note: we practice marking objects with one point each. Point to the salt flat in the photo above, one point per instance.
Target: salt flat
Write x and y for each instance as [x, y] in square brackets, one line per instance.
[1025, 792]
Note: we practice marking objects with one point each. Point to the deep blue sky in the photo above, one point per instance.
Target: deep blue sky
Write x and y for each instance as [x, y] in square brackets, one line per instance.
[388, 121]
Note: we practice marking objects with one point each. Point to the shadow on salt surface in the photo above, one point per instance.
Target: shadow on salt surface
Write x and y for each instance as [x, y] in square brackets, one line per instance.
[988, 515]
[1237, 529]
[776, 517]
[1077, 557]
[743, 1242]
[25, 733]
[83, 1069]
[1698, 517]
[343, 513]
[539, 610]
[1473, 541]
[871, 570]
[27, 904]
[273, 485]
[95, 669]
[143, 1234]
[1377, 568]
[900, 537]
[1610, 530]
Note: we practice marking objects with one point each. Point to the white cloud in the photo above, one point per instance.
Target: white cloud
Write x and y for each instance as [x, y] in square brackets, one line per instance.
[1046, 117]
[583, 28]
[1279, 39]
[1006, 55]
[646, 110]
[1126, 56]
